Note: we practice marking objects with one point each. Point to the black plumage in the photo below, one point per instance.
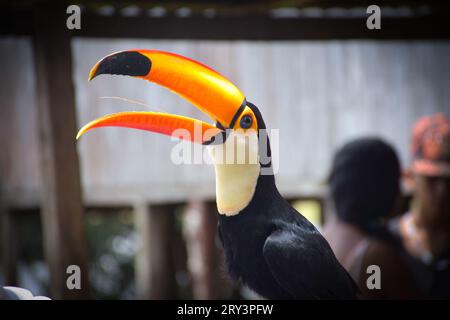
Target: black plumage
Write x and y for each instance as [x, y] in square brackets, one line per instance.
[277, 252]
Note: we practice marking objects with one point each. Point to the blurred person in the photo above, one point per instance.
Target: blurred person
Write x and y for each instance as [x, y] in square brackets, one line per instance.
[365, 187]
[425, 230]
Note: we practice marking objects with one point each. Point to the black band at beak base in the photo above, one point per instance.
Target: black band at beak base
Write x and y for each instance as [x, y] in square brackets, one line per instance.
[226, 131]
[214, 140]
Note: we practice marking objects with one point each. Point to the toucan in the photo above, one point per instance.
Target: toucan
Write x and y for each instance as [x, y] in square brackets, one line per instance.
[268, 245]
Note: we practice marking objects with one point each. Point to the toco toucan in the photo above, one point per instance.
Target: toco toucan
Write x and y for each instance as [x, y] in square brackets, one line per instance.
[268, 245]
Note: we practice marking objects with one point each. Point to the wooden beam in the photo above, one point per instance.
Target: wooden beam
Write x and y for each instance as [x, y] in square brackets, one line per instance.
[62, 210]
[155, 275]
[240, 27]
[262, 28]
[17, 22]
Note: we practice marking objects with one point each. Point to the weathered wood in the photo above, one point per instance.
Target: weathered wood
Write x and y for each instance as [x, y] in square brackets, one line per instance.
[239, 26]
[19, 160]
[9, 245]
[319, 94]
[204, 258]
[263, 28]
[62, 210]
[155, 275]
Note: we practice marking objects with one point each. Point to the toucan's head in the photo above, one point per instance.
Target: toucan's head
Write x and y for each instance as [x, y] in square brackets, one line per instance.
[237, 128]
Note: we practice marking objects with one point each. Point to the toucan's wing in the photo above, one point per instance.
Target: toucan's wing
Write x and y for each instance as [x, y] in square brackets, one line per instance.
[302, 262]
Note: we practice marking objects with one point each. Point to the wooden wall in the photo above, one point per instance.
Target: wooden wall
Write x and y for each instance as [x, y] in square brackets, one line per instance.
[318, 93]
[19, 153]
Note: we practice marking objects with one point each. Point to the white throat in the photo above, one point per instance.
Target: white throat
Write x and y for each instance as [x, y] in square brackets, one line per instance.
[236, 163]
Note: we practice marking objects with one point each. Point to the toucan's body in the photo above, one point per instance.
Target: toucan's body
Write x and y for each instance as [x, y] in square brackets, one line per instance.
[278, 253]
[268, 245]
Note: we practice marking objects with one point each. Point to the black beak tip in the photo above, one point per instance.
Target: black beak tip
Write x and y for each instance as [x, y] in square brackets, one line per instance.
[127, 63]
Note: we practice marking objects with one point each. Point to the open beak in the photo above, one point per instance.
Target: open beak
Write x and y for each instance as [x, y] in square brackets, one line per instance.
[209, 91]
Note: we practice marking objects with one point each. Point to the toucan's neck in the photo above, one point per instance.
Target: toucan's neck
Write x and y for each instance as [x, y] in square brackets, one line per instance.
[266, 191]
[237, 167]
[248, 175]
[265, 197]
[238, 189]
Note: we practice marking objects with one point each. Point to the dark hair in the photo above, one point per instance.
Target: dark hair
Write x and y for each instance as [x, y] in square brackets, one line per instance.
[364, 181]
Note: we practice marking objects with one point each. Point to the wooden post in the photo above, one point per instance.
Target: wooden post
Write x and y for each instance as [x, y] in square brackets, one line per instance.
[155, 275]
[204, 263]
[62, 210]
[9, 248]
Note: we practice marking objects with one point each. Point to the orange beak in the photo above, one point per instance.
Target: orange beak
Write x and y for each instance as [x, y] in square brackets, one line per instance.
[203, 87]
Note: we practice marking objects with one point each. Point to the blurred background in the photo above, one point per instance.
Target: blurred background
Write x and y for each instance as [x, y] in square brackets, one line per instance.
[113, 203]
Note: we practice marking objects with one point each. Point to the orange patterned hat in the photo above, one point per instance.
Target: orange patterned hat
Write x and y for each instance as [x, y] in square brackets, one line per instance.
[431, 146]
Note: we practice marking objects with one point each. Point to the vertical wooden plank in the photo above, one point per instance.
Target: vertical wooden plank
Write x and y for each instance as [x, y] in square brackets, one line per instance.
[155, 276]
[9, 250]
[200, 225]
[62, 210]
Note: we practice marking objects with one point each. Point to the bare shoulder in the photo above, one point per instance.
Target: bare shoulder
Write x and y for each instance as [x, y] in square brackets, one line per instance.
[396, 279]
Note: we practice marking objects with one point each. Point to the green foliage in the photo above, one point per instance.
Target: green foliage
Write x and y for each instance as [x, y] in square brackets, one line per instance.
[112, 242]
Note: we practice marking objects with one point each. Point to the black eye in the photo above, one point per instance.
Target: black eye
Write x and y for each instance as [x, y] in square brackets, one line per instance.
[246, 122]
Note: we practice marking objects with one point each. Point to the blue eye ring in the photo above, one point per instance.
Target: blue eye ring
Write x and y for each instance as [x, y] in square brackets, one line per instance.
[246, 121]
